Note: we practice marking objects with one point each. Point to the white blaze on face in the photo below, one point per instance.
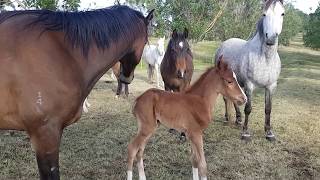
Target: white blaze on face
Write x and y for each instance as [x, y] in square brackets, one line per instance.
[273, 19]
[181, 44]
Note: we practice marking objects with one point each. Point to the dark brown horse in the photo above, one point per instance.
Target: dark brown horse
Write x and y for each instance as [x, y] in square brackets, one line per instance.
[50, 61]
[176, 67]
[116, 69]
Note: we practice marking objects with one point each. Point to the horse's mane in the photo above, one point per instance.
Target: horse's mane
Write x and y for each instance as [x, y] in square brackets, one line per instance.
[259, 29]
[102, 26]
[199, 81]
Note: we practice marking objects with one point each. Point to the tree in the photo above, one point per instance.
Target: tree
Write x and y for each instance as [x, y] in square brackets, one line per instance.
[44, 4]
[311, 36]
[292, 24]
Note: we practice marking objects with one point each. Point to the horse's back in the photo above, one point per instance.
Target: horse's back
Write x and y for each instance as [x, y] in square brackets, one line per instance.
[33, 76]
[231, 50]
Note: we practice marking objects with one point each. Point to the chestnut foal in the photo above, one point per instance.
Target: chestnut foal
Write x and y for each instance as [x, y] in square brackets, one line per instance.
[188, 112]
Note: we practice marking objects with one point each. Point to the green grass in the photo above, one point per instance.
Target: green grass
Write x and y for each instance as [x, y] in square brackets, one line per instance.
[96, 146]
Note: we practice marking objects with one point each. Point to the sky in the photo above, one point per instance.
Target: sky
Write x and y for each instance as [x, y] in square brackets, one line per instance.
[303, 5]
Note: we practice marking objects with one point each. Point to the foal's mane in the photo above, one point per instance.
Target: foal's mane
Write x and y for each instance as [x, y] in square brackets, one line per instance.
[101, 26]
[200, 80]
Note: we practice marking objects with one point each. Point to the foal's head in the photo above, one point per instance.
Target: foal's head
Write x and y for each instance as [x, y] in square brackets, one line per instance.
[230, 87]
[179, 47]
[132, 58]
[271, 21]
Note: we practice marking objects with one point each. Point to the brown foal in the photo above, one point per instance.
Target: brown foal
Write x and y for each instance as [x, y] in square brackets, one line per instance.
[189, 112]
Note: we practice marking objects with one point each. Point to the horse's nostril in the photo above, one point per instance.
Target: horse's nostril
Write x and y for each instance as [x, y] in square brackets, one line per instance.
[267, 35]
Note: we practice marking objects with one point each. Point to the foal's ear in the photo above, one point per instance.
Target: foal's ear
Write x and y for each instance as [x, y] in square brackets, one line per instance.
[222, 66]
[186, 33]
[174, 33]
[150, 16]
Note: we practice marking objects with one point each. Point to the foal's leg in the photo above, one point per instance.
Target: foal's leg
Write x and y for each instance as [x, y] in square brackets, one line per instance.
[247, 110]
[136, 148]
[46, 141]
[268, 106]
[227, 114]
[198, 157]
[194, 161]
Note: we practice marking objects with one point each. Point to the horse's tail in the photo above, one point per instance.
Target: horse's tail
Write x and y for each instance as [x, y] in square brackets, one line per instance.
[229, 106]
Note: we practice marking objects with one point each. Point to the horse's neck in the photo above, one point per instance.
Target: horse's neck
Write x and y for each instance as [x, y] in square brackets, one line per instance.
[99, 62]
[207, 89]
[261, 48]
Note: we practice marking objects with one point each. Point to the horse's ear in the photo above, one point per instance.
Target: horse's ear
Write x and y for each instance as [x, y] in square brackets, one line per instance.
[186, 33]
[150, 16]
[281, 1]
[174, 33]
[222, 66]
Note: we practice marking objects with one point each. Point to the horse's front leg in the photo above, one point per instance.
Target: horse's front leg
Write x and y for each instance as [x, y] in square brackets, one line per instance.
[46, 141]
[126, 89]
[247, 110]
[268, 106]
[158, 75]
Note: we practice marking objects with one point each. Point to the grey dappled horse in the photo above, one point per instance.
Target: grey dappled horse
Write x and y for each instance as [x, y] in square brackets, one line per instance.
[256, 62]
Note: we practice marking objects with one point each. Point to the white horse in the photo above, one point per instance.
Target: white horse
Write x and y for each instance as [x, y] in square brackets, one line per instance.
[153, 55]
[256, 62]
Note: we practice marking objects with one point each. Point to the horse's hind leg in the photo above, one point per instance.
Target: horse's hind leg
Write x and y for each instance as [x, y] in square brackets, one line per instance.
[268, 106]
[46, 141]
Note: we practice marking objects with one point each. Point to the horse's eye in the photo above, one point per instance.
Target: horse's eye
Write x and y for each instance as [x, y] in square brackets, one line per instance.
[263, 14]
[282, 14]
[229, 82]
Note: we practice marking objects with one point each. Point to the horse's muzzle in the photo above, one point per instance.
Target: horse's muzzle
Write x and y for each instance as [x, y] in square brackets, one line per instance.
[272, 41]
[126, 80]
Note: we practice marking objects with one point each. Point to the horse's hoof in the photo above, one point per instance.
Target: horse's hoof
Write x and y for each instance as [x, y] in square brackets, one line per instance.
[246, 136]
[270, 136]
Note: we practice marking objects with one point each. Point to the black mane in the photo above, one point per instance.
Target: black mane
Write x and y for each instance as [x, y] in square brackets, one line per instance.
[102, 26]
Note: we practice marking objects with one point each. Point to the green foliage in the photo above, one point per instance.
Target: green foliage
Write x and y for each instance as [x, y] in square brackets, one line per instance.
[238, 19]
[292, 24]
[71, 4]
[44, 4]
[312, 30]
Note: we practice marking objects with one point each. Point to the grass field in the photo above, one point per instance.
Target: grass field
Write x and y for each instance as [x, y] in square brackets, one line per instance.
[96, 146]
